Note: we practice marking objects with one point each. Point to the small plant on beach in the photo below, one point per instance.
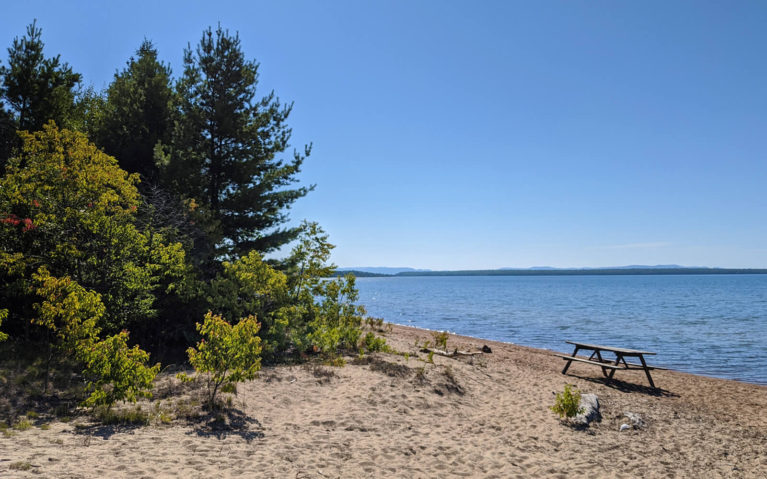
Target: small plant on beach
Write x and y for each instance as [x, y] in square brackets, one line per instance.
[375, 323]
[133, 416]
[227, 354]
[420, 374]
[567, 404]
[20, 466]
[430, 357]
[335, 361]
[371, 343]
[440, 339]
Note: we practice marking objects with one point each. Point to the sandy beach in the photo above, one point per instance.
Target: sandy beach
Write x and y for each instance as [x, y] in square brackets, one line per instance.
[391, 416]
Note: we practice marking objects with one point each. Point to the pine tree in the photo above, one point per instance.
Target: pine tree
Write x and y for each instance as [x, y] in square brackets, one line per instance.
[137, 113]
[224, 151]
[7, 136]
[37, 89]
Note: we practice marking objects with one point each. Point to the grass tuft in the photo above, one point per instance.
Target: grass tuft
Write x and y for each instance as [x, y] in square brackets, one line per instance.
[20, 466]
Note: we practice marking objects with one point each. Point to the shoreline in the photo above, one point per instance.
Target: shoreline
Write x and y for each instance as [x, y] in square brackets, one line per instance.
[388, 415]
[478, 339]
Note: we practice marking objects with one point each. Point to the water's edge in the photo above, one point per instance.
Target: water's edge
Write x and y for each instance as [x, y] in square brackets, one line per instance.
[707, 325]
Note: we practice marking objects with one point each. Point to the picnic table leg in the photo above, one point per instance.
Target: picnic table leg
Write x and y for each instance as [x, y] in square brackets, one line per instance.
[599, 356]
[618, 357]
[646, 371]
[567, 366]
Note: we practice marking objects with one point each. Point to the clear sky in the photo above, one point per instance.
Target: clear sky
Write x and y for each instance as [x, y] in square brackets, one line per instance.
[472, 135]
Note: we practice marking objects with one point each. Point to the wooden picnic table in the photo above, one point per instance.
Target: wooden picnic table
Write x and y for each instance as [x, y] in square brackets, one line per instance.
[609, 366]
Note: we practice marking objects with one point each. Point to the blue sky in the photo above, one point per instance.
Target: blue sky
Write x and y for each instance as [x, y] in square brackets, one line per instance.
[472, 135]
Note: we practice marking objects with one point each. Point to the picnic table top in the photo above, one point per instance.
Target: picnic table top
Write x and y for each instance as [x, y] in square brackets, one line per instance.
[608, 348]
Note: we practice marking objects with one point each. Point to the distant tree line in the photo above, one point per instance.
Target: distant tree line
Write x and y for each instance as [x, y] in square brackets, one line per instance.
[129, 214]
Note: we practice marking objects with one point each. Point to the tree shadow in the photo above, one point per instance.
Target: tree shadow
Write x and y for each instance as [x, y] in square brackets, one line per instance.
[627, 387]
[225, 422]
[105, 431]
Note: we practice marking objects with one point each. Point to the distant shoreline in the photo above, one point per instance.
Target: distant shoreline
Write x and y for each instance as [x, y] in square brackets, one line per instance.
[560, 272]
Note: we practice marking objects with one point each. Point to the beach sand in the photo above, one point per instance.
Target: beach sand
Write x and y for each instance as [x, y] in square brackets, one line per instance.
[388, 416]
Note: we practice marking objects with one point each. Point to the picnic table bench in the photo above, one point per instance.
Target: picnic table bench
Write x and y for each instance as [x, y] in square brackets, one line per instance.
[609, 366]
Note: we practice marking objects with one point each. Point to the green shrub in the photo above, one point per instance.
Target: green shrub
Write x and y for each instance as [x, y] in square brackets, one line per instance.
[128, 417]
[336, 319]
[440, 339]
[567, 403]
[249, 286]
[227, 354]
[371, 343]
[116, 372]
[22, 424]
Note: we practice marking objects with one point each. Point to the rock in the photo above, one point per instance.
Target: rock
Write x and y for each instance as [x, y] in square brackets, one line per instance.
[635, 419]
[625, 427]
[486, 349]
[590, 405]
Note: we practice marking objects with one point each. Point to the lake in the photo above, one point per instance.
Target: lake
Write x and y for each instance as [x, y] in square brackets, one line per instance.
[714, 325]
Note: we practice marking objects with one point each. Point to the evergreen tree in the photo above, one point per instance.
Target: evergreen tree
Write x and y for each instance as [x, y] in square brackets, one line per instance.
[137, 113]
[36, 88]
[7, 136]
[223, 154]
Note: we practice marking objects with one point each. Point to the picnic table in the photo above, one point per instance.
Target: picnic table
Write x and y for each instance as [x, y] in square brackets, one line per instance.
[609, 366]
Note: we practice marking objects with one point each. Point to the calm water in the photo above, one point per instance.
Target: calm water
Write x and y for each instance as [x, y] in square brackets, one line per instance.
[706, 324]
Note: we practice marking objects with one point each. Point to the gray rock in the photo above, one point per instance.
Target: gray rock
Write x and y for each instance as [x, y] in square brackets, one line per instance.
[590, 405]
[635, 419]
[625, 427]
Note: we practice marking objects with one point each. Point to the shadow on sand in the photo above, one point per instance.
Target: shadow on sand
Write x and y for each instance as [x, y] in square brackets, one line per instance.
[105, 431]
[626, 387]
[223, 423]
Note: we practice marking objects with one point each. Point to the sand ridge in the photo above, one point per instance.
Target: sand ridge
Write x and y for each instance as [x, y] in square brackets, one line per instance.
[388, 416]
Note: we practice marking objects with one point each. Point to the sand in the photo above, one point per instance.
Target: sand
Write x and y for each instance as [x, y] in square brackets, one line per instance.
[388, 416]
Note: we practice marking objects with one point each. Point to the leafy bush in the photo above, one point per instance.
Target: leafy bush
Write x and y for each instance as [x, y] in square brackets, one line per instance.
[116, 372]
[66, 309]
[249, 286]
[371, 343]
[68, 206]
[68, 314]
[336, 319]
[228, 354]
[567, 403]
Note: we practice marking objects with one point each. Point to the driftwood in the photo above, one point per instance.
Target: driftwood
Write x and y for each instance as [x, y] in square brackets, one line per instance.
[450, 354]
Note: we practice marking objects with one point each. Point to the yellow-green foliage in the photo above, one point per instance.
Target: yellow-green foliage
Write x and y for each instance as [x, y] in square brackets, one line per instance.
[67, 206]
[567, 403]
[372, 343]
[440, 339]
[22, 424]
[302, 308]
[228, 354]
[336, 319]
[67, 309]
[249, 286]
[3, 315]
[116, 372]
